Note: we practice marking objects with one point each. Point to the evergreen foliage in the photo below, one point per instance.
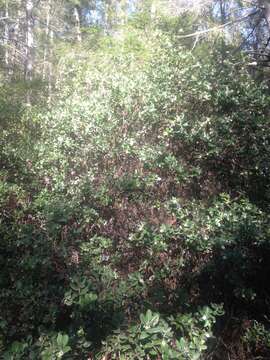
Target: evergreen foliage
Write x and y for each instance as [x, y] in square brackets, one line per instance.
[134, 207]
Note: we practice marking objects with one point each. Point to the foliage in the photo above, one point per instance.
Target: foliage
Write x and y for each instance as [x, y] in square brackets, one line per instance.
[257, 335]
[154, 337]
[135, 202]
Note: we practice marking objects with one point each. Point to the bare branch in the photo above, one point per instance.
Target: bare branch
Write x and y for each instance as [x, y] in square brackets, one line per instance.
[219, 27]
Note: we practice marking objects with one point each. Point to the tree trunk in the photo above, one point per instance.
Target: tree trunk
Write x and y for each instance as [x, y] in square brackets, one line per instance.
[123, 12]
[50, 67]
[153, 10]
[16, 48]
[29, 56]
[29, 60]
[6, 40]
[265, 5]
[222, 22]
[77, 24]
[46, 45]
[109, 16]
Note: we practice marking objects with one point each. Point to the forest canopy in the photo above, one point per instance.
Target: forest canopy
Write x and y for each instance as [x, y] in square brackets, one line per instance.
[134, 179]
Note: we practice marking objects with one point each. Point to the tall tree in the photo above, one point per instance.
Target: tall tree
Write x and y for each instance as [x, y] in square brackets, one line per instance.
[6, 36]
[46, 42]
[29, 56]
[265, 5]
[77, 18]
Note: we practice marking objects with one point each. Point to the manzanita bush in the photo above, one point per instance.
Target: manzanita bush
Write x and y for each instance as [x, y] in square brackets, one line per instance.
[135, 224]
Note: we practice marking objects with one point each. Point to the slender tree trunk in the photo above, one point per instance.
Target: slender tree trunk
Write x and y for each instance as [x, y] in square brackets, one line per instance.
[6, 39]
[29, 59]
[50, 66]
[105, 18]
[47, 40]
[222, 10]
[77, 24]
[265, 5]
[29, 56]
[15, 44]
[48, 51]
[109, 16]
[153, 10]
[123, 12]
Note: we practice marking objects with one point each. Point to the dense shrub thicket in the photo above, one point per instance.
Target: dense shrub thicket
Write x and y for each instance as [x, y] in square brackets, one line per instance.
[135, 211]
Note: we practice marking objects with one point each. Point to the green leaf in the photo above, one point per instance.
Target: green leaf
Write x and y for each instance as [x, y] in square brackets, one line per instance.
[62, 340]
[144, 335]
